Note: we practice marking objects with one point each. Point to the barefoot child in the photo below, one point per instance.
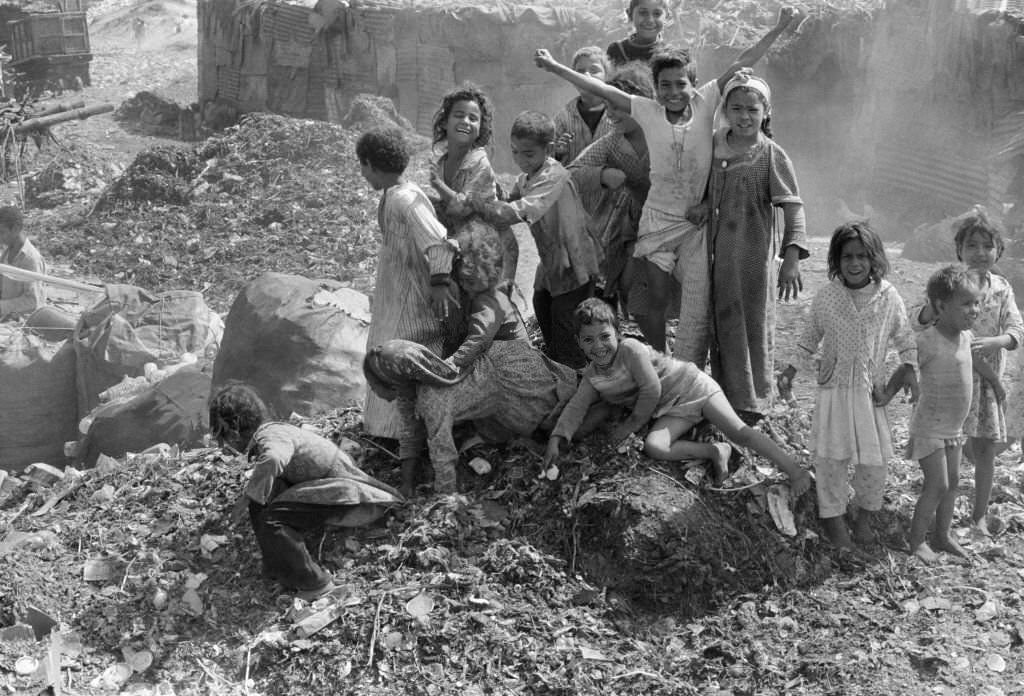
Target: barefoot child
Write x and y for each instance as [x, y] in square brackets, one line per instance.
[751, 177]
[670, 395]
[411, 295]
[936, 428]
[583, 120]
[998, 328]
[648, 18]
[678, 128]
[853, 322]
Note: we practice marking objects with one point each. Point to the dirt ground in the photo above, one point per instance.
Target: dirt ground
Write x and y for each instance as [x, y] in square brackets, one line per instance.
[460, 595]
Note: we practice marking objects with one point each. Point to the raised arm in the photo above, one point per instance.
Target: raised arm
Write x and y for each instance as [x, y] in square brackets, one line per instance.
[615, 98]
[756, 52]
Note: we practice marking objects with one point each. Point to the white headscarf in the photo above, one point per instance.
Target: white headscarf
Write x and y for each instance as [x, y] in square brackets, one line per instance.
[745, 78]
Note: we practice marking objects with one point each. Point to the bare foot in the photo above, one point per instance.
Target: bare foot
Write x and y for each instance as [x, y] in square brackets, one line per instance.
[925, 553]
[944, 542]
[980, 528]
[720, 462]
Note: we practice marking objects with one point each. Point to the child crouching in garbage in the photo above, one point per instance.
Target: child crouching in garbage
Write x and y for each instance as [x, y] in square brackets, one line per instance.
[300, 481]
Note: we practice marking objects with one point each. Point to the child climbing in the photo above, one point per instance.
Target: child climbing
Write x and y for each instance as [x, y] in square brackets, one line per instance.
[998, 328]
[411, 296]
[648, 18]
[678, 128]
[751, 177]
[300, 482]
[853, 322]
[669, 395]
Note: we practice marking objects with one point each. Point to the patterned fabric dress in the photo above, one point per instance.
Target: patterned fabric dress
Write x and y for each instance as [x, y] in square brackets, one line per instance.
[413, 248]
[743, 192]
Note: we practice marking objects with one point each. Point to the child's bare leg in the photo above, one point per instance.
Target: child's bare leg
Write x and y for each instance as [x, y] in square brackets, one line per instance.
[665, 441]
[721, 414]
[862, 532]
[837, 533]
[942, 540]
[984, 469]
[935, 487]
[659, 292]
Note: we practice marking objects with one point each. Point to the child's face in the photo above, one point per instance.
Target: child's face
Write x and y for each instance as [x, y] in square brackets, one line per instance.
[471, 278]
[599, 342]
[745, 113]
[9, 236]
[674, 89]
[979, 251]
[959, 312]
[854, 264]
[589, 65]
[648, 19]
[528, 154]
[463, 125]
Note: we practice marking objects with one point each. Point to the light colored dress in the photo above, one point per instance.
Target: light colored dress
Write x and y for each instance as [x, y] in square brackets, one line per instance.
[744, 243]
[945, 399]
[846, 340]
[19, 298]
[414, 249]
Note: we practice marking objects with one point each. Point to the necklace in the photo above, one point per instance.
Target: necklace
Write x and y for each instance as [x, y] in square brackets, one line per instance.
[679, 144]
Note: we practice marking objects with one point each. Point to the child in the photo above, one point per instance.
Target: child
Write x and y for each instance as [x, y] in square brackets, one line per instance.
[750, 177]
[670, 394]
[463, 124]
[979, 244]
[618, 163]
[496, 378]
[678, 128]
[411, 295]
[19, 298]
[582, 120]
[545, 197]
[300, 481]
[853, 322]
[648, 18]
[936, 428]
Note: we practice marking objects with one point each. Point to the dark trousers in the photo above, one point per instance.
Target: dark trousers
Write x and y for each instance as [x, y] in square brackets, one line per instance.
[280, 531]
[554, 315]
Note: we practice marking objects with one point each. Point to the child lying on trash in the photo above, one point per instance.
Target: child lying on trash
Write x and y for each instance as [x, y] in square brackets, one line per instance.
[496, 378]
[670, 395]
[300, 481]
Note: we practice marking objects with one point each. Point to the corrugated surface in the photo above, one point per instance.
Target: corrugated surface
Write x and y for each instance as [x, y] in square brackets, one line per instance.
[1015, 7]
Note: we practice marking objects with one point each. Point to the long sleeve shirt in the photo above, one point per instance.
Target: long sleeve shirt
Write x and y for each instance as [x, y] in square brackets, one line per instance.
[492, 317]
[21, 297]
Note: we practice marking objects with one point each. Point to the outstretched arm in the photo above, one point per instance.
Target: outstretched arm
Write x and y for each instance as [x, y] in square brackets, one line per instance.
[756, 52]
[615, 98]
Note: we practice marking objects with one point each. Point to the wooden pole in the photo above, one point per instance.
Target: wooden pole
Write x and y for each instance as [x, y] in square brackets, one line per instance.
[53, 119]
[31, 276]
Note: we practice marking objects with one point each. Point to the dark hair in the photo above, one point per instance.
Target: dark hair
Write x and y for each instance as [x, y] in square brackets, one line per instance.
[236, 408]
[766, 123]
[859, 232]
[946, 281]
[634, 3]
[534, 126]
[11, 216]
[594, 310]
[479, 248]
[673, 58]
[384, 149]
[466, 92]
[634, 78]
[594, 52]
[978, 221]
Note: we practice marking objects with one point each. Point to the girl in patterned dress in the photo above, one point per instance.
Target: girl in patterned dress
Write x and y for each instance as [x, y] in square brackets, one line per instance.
[463, 125]
[979, 244]
[411, 296]
[853, 322]
[751, 177]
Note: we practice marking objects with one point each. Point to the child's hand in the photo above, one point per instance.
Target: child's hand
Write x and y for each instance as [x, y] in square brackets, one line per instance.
[619, 433]
[697, 214]
[881, 396]
[543, 59]
[553, 452]
[437, 181]
[987, 345]
[790, 282]
[911, 387]
[562, 143]
[440, 300]
[612, 178]
[799, 483]
[786, 15]
[784, 383]
[997, 389]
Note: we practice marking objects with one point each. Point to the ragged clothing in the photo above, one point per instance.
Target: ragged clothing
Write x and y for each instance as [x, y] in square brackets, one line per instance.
[19, 298]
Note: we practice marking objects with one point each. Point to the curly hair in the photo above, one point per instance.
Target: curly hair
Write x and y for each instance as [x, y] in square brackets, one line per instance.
[535, 126]
[470, 93]
[634, 78]
[766, 122]
[978, 221]
[858, 232]
[674, 58]
[594, 310]
[236, 409]
[12, 217]
[947, 281]
[384, 149]
[479, 252]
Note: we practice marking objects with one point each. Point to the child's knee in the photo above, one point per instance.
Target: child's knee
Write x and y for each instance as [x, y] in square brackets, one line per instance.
[657, 443]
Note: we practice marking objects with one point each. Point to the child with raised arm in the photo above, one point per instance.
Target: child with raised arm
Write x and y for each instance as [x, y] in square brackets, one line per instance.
[545, 197]
[648, 18]
[669, 395]
[583, 120]
[936, 428]
[411, 297]
[998, 328]
[853, 322]
[678, 127]
[463, 126]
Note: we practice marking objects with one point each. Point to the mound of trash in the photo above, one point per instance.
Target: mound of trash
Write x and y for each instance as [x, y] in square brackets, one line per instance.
[151, 114]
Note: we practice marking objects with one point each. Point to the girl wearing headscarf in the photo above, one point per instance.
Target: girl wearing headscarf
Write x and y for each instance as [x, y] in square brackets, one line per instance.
[751, 177]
